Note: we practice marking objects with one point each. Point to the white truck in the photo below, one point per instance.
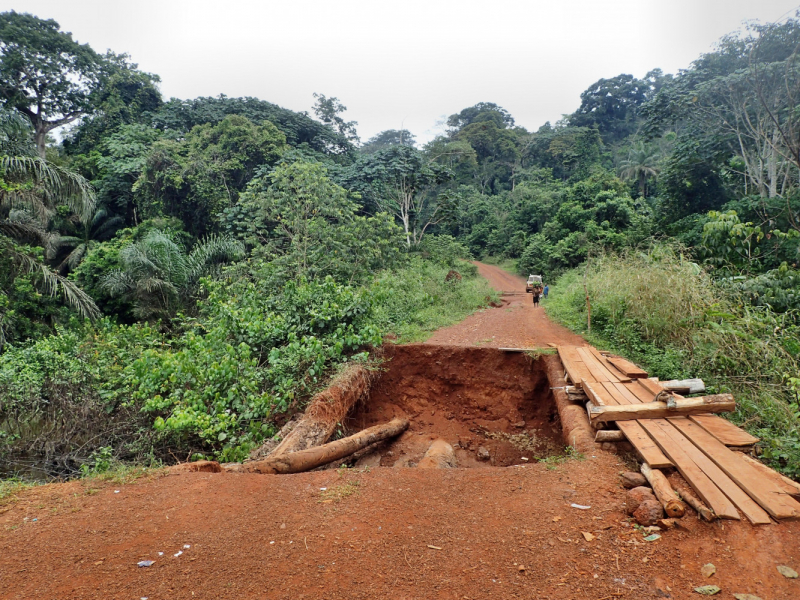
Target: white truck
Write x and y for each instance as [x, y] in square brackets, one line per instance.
[534, 281]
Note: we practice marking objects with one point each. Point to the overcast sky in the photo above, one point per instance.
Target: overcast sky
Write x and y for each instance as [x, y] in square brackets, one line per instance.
[404, 63]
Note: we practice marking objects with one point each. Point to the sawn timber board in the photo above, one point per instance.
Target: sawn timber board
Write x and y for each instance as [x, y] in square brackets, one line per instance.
[725, 431]
[760, 488]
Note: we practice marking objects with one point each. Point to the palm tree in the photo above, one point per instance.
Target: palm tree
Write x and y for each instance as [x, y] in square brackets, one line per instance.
[641, 164]
[157, 275]
[31, 190]
[99, 227]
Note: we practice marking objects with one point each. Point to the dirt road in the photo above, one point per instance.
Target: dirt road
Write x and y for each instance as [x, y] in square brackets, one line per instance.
[516, 324]
[401, 533]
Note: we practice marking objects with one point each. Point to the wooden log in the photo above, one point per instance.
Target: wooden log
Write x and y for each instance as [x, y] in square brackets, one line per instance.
[660, 410]
[687, 494]
[326, 410]
[684, 386]
[440, 455]
[664, 492]
[609, 435]
[305, 460]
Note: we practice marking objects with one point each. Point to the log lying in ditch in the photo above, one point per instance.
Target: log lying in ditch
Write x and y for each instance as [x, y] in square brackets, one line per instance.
[666, 495]
[609, 435]
[687, 494]
[440, 455]
[305, 460]
[659, 410]
[324, 412]
[684, 386]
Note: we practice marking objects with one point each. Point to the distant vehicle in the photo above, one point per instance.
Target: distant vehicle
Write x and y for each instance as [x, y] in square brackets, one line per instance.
[534, 281]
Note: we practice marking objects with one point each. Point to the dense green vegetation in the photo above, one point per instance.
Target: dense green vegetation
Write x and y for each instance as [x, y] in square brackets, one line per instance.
[178, 275]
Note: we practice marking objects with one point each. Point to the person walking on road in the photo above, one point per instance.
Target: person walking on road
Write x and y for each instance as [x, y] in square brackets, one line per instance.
[546, 289]
[535, 297]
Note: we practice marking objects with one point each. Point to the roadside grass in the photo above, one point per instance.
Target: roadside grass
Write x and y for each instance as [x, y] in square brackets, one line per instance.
[122, 474]
[9, 488]
[666, 314]
[415, 301]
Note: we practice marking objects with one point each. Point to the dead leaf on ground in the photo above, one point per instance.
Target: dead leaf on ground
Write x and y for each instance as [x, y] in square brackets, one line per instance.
[787, 572]
[708, 570]
[587, 536]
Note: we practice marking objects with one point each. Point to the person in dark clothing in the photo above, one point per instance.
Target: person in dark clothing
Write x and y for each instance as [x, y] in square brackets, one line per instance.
[536, 297]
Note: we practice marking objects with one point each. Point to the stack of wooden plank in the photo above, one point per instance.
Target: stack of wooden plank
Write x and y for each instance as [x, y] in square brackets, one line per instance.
[697, 445]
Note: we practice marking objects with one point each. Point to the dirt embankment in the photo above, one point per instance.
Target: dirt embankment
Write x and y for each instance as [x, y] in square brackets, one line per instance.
[473, 398]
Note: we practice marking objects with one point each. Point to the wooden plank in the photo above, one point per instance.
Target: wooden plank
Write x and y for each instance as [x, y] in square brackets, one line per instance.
[597, 394]
[599, 372]
[787, 485]
[626, 367]
[759, 487]
[645, 445]
[752, 511]
[660, 410]
[682, 454]
[636, 435]
[712, 474]
[602, 358]
[725, 431]
[574, 366]
[638, 389]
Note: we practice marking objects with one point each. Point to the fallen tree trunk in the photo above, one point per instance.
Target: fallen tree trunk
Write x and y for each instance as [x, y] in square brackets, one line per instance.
[324, 412]
[660, 410]
[687, 494]
[305, 460]
[664, 492]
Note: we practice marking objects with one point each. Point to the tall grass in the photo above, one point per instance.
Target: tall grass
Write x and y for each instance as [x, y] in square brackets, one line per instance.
[415, 301]
[667, 314]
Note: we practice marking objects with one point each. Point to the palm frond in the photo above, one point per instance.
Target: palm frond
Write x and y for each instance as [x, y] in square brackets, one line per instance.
[51, 282]
[212, 250]
[57, 183]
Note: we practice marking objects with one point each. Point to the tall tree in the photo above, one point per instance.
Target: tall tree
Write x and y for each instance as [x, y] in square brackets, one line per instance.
[328, 110]
[390, 137]
[45, 74]
[401, 182]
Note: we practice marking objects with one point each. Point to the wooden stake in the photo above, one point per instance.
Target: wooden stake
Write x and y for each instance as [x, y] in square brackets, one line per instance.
[666, 495]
